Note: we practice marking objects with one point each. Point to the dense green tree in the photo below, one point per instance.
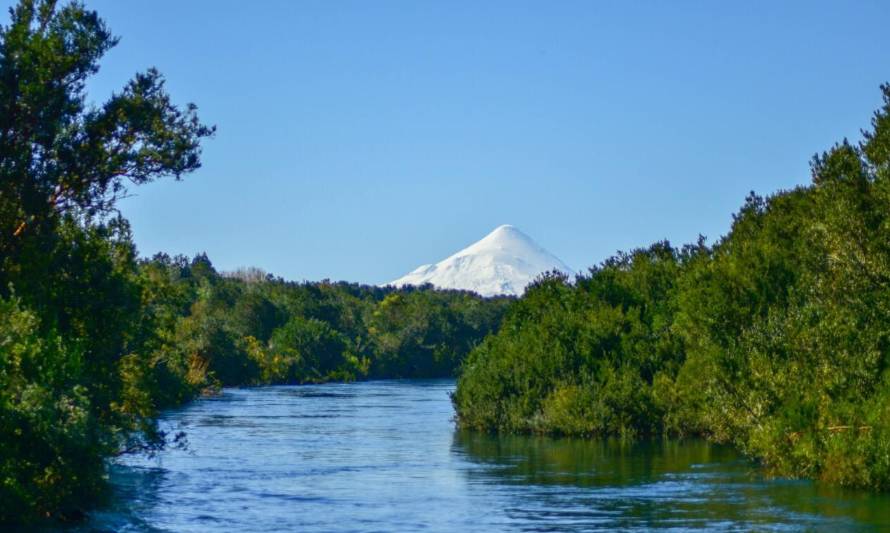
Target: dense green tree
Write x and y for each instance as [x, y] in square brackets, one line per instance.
[580, 358]
[57, 155]
[426, 333]
[74, 358]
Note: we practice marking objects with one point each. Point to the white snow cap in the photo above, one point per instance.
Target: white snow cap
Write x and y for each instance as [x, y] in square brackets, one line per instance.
[504, 262]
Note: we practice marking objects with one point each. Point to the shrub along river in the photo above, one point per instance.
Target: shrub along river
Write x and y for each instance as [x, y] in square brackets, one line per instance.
[384, 456]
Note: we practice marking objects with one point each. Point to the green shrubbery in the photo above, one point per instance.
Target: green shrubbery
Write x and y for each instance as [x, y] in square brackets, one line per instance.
[587, 358]
[776, 339]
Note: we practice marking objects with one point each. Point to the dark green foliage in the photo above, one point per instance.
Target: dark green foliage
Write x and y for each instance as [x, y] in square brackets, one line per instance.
[427, 333]
[75, 349]
[776, 339]
[237, 330]
[316, 350]
[56, 154]
[45, 416]
[583, 358]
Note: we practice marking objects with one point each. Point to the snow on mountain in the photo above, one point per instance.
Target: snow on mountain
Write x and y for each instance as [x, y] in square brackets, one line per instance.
[504, 262]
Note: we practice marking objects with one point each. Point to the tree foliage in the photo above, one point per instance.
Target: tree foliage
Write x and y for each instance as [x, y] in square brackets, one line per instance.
[775, 339]
[72, 345]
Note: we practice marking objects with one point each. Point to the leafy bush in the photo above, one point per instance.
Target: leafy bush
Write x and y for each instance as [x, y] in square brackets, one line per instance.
[775, 339]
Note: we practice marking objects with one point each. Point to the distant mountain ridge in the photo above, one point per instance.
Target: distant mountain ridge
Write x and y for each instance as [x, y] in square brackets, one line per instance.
[503, 262]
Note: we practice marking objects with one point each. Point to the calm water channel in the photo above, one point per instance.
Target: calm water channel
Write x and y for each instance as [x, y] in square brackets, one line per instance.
[384, 456]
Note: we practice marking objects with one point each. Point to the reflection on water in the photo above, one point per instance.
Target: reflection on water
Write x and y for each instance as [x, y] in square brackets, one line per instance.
[384, 456]
[581, 484]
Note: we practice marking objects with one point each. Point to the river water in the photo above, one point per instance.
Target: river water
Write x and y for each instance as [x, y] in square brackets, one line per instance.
[385, 456]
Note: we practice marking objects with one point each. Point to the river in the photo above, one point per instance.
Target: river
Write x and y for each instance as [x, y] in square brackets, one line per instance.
[384, 456]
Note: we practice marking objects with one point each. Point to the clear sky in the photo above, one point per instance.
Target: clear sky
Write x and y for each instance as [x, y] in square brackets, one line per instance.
[358, 140]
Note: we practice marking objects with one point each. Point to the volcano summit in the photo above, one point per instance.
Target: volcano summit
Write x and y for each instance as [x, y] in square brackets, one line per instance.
[503, 262]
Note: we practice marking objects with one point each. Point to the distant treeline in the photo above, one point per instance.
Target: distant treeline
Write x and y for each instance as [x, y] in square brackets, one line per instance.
[775, 339]
[93, 342]
[248, 328]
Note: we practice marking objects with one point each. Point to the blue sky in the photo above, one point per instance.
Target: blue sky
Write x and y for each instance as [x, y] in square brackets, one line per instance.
[358, 140]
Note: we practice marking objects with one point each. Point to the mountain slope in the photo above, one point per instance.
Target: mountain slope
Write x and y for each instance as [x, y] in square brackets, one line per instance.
[504, 262]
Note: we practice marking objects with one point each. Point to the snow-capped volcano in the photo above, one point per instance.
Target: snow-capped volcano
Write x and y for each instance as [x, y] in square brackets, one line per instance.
[504, 262]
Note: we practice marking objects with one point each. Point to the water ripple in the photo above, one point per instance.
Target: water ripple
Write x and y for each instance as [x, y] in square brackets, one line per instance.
[384, 456]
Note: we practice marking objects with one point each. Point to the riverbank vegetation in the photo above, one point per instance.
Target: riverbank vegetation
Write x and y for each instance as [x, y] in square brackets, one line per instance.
[249, 328]
[775, 339]
[93, 340]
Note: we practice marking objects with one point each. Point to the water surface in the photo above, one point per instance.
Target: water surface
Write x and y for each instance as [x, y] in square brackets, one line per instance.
[384, 456]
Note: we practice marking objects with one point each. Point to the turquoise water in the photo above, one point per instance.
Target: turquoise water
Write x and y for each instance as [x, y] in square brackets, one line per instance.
[384, 456]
